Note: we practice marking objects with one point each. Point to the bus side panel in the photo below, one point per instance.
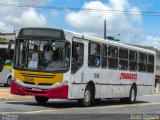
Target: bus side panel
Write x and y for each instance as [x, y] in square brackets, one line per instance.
[126, 90]
[145, 83]
[82, 90]
[144, 90]
[118, 91]
[75, 91]
[97, 90]
[103, 91]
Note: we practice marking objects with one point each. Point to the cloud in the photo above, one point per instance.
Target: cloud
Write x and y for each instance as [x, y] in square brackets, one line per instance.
[27, 18]
[54, 12]
[14, 17]
[93, 21]
[135, 13]
[127, 24]
[152, 41]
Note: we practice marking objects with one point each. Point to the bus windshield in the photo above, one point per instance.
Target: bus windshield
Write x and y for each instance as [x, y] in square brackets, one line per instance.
[42, 55]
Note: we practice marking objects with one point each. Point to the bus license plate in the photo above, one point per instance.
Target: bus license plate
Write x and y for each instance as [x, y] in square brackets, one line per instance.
[36, 89]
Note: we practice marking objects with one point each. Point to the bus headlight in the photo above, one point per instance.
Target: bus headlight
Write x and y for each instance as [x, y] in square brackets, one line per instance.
[16, 80]
[58, 84]
[61, 83]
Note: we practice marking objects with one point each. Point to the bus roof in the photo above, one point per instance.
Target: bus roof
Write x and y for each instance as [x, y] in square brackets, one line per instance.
[107, 41]
[90, 38]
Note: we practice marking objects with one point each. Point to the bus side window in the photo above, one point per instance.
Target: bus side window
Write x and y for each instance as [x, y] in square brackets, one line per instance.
[112, 57]
[150, 63]
[94, 58]
[132, 60]
[123, 59]
[104, 56]
[142, 62]
[77, 56]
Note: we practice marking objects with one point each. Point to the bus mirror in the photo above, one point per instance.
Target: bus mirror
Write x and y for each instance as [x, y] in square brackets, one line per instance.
[1, 64]
[7, 61]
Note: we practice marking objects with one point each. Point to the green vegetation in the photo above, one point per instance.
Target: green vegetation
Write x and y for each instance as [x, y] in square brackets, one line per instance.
[3, 40]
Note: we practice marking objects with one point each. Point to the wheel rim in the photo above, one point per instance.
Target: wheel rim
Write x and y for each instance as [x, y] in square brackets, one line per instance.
[132, 95]
[87, 97]
[9, 81]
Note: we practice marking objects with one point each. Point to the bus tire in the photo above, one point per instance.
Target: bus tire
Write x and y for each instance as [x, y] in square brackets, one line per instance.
[97, 101]
[8, 82]
[41, 100]
[132, 95]
[88, 97]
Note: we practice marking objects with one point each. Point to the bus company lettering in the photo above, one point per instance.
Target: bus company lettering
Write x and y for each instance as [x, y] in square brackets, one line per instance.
[132, 76]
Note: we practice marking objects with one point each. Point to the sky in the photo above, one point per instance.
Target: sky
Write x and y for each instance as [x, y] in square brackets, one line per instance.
[131, 21]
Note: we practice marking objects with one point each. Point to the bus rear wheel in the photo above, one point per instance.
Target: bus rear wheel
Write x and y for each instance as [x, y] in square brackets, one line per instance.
[41, 100]
[88, 97]
[132, 96]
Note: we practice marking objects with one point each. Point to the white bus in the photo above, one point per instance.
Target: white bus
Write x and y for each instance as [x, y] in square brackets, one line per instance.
[79, 67]
[6, 60]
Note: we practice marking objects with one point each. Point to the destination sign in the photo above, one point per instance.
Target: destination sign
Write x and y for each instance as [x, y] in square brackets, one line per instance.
[43, 32]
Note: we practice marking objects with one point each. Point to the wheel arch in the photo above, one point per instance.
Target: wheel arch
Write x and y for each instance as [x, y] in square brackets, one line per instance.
[92, 85]
[135, 86]
[9, 76]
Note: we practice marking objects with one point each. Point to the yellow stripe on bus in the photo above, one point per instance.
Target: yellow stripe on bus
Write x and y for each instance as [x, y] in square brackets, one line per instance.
[38, 77]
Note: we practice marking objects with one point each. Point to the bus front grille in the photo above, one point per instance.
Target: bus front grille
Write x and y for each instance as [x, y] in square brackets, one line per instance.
[37, 75]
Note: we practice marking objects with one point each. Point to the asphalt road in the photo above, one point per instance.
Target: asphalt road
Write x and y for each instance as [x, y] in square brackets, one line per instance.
[64, 109]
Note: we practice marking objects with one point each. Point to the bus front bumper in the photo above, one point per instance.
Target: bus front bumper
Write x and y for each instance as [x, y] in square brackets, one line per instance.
[58, 92]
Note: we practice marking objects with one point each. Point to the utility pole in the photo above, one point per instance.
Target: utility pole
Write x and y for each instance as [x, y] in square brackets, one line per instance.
[104, 29]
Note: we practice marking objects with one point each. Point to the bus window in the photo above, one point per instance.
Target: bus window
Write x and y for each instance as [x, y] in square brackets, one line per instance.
[104, 56]
[77, 56]
[142, 61]
[123, 59]
[94, 55]
[150, 63]
[132, 60]
[57, 53]
[112, 57]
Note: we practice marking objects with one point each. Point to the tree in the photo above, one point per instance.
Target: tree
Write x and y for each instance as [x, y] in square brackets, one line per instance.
[3, 40]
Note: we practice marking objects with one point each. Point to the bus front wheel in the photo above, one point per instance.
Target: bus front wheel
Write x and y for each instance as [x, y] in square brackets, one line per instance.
[41, 100]
[88, 97]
